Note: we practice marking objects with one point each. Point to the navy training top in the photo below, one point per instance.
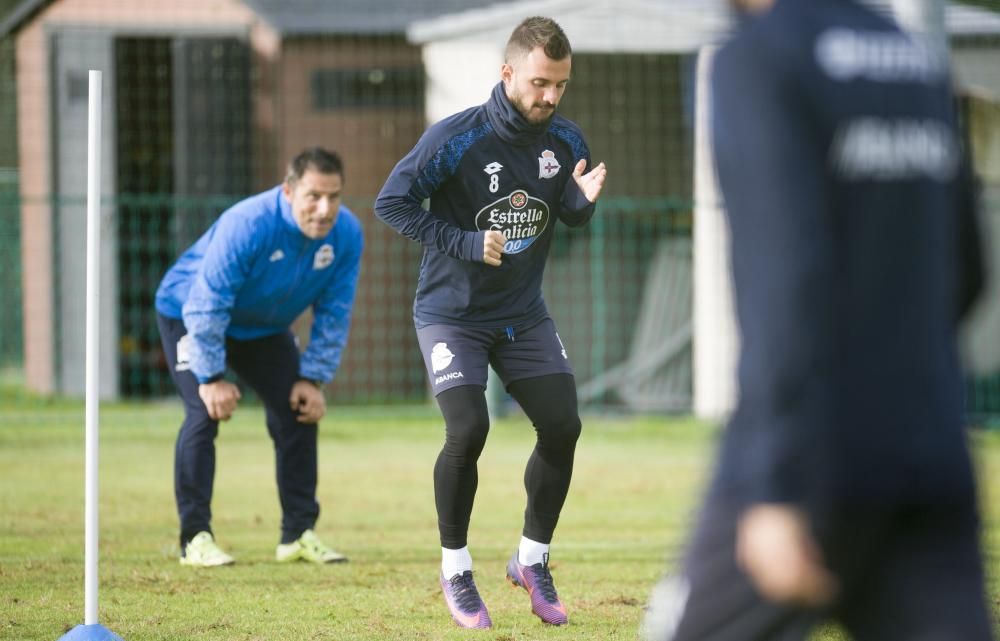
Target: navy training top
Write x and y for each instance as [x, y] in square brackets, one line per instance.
[481, 169]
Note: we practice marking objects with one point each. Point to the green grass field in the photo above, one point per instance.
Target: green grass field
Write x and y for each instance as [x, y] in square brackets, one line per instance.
[635, 486]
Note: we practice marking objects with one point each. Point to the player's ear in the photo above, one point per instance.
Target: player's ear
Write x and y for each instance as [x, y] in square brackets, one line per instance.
[286, 188]
[506, 74]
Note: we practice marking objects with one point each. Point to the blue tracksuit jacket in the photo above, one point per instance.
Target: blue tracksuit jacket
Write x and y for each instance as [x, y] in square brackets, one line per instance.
[853, 251]
[253, 273]
[485, 168]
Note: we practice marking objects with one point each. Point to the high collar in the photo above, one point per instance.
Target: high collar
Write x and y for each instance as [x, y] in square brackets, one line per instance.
[508, 122]
[286, 211]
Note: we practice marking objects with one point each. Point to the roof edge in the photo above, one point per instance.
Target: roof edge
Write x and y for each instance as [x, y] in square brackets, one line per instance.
[21, 14]
[483, 18]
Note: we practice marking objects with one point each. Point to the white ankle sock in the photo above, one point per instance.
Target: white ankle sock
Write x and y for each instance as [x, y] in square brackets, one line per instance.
[455, 561]
[531, 552]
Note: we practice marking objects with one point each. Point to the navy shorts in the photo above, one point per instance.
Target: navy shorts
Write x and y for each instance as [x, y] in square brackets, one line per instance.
[457, 355]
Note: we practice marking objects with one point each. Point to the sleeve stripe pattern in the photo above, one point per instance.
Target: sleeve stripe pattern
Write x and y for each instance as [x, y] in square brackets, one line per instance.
[571, 138]
[442, 165]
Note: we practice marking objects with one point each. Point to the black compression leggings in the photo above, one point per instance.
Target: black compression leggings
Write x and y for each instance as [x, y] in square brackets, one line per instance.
[550, 404]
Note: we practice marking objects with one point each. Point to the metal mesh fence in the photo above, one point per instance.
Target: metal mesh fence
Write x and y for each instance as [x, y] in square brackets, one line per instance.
[197, 120]
[204, 105]
[980, 110]
[601, 283]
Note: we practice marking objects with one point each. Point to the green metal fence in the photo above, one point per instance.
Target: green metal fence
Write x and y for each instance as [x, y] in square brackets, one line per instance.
[11, 323]
[598, 285]
[606, 285]
[204, 108]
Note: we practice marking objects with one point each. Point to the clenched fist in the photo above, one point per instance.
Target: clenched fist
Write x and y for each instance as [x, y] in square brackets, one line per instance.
[493, 247]
[220, 399]
[307, 401]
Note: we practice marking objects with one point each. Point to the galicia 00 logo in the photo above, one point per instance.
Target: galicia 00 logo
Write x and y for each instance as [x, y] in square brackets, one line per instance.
[521, 218]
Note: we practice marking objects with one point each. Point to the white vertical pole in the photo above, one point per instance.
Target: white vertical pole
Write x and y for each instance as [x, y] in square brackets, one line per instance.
[716, 335]
[92, 334]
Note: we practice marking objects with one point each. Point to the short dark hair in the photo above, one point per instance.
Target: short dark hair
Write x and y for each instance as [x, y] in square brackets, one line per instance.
[537, 31]
[322, 160]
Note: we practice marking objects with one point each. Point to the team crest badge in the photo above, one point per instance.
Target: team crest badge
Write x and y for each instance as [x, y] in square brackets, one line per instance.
[323, 257]
[441, 357]
[548, 166]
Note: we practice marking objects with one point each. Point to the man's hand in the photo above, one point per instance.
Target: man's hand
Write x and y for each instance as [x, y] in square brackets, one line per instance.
[307, 401]
[220, 399]
[592, 182]
[776, 550]
[493, 247]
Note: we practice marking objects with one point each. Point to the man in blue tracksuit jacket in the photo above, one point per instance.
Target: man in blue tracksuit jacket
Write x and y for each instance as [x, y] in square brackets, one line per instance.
[844, 488]
[498, 177]
[230, 300]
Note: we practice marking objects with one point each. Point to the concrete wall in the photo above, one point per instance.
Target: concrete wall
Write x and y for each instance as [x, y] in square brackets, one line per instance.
[381, 359]
[371, 140]
[975, 65]
[37, 140]
[460, 74]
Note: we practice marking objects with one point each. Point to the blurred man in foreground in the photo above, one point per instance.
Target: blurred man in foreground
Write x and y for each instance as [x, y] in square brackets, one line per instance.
[844, 488]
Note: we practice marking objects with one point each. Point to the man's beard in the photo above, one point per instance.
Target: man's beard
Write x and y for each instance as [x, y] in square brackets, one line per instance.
[526, 113]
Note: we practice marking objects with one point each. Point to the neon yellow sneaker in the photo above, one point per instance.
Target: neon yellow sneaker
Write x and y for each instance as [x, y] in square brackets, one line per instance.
[202, 552]
[308, 547]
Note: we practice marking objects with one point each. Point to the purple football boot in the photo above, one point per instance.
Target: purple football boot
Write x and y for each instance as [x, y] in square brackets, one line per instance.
[537, 580]
[464, 603]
